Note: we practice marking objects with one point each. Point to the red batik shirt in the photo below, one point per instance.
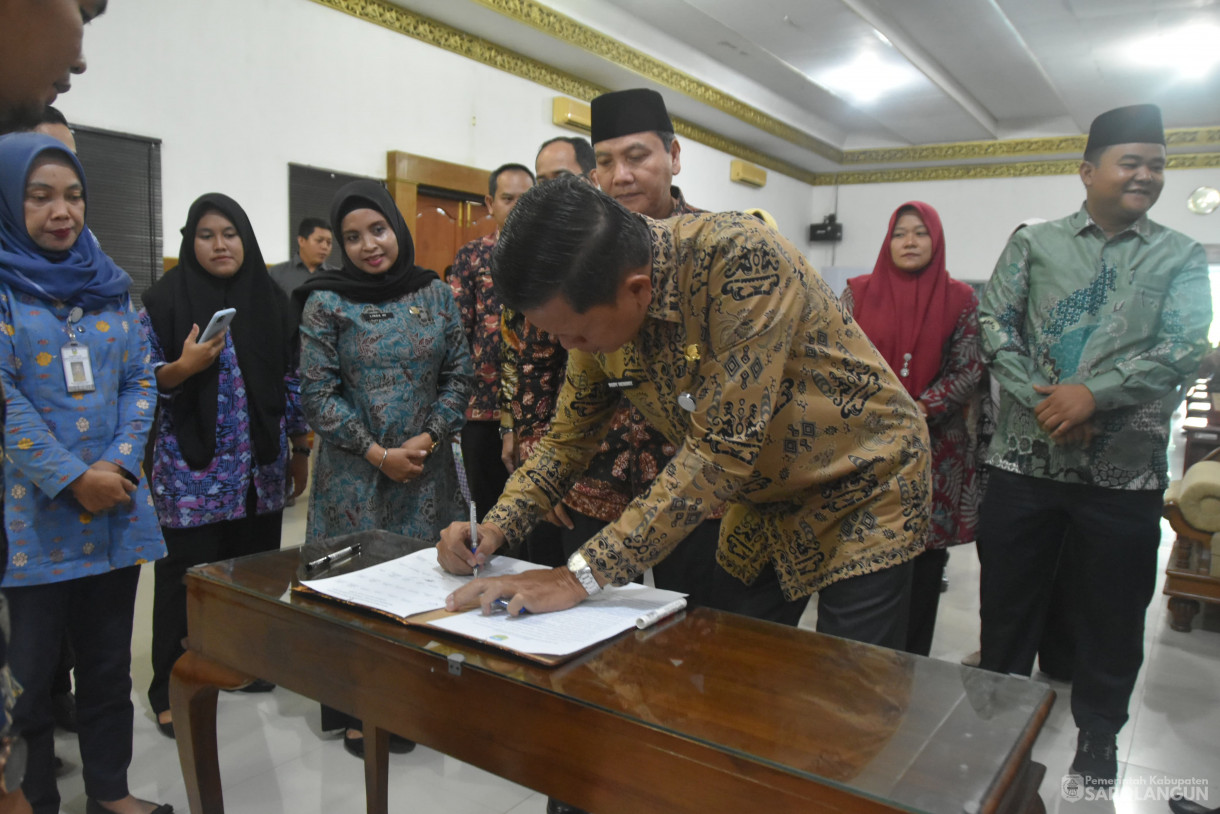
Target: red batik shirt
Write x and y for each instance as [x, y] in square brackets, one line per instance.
[631, 454]
[470, 279]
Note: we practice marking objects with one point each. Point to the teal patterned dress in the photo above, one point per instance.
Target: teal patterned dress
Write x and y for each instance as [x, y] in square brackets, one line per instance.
[383, 372]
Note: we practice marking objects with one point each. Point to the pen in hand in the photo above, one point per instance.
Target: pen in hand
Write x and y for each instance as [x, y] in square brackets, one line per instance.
[501, 604]
[464, 485]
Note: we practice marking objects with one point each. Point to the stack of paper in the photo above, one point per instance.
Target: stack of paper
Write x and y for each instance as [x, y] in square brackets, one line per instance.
[415, 584]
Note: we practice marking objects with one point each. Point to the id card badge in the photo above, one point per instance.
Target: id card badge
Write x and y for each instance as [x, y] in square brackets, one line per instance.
[78, 370]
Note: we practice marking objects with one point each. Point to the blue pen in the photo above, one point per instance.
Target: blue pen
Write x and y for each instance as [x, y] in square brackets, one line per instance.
[502, 605]
[464, 486]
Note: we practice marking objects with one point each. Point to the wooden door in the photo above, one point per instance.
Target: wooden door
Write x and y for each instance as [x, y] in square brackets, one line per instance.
[440, 223]
[478, 221]
[437, 230]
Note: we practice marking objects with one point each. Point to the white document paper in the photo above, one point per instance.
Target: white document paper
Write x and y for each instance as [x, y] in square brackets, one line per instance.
[557, 634]
[408, 585]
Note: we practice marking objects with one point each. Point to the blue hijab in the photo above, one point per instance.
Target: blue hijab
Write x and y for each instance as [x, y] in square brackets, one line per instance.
[83, 275]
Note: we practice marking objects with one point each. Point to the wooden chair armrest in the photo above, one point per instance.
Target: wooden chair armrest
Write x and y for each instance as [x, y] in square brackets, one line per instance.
[1173, 513]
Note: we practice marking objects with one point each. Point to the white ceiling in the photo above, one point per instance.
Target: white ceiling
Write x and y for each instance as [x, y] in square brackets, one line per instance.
[976, 69]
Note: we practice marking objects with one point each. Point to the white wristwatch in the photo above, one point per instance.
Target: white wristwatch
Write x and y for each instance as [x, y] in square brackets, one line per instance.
[579, 567]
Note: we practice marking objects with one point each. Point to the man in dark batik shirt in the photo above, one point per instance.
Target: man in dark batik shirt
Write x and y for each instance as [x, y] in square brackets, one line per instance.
[470, 279]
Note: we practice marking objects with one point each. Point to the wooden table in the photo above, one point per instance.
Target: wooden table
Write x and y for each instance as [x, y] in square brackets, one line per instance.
[708, 712]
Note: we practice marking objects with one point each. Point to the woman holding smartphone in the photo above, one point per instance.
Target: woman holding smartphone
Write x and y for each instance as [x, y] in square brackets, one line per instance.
[74, 366]
[231, 428]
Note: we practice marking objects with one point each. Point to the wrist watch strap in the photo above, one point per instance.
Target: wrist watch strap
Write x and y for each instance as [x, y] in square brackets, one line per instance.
[579, 567]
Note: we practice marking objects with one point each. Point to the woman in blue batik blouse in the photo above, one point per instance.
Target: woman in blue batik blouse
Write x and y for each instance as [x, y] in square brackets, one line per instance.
[75, 370]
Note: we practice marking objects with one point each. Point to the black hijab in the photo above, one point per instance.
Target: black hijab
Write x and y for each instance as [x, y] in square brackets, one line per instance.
[350, 282]
[263, 332]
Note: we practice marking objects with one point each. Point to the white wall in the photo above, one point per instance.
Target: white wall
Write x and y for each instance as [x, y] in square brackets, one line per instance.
[237, 89]
[979, 215]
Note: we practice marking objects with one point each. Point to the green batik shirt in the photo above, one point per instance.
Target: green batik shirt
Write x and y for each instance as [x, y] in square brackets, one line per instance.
[1126, 316]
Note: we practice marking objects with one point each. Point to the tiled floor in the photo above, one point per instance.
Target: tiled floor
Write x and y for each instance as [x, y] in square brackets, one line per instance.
[274, 760]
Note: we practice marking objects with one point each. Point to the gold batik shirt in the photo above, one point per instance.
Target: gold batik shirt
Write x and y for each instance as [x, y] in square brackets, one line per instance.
[798, 423]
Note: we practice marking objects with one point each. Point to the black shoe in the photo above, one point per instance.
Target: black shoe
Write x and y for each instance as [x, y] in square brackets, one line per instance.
[94, 807]
[1096, 758]
[1179, 805]
[354, 746]
[398, 745]
[554, 806]
[166, 729]
[257, 685]
[63, 710]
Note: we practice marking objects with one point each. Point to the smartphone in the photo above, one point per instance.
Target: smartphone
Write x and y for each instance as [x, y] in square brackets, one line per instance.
[217, 325]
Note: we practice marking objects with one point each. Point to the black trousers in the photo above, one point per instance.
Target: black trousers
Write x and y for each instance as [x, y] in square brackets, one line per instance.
[1022, 528]
[926, 572]
[484, 469]
[692, 569]
[189, 547]
[544, 545]
[1057, 647]
[870, 608]
[96, 613]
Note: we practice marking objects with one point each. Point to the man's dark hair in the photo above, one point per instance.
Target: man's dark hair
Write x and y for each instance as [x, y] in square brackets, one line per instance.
[1093, 154]
[585, 157]
[494, 178]
[51, 115]
[307, 226]
[666, 137]
[567, 238]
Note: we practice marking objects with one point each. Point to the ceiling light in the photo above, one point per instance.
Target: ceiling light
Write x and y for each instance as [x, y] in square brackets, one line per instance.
[866, 78]
[1190, 50]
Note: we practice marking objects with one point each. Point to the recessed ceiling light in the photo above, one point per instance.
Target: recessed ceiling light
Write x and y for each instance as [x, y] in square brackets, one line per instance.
[867, 78]
[1190, 50]
[1204, 200]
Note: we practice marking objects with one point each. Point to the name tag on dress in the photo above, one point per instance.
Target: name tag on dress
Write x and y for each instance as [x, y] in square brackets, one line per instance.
[78, 370]
[375, 315]
[621, 384]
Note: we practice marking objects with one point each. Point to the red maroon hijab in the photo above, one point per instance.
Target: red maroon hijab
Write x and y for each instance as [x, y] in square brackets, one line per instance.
[911, 312]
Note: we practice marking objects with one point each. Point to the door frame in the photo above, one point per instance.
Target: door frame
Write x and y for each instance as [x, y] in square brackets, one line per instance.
[406, 172]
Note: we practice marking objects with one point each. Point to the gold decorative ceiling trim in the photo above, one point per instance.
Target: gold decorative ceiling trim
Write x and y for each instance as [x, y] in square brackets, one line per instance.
[432, 32]
[427, 30]
[735, 148]
[1195, 161]
[1012, 148]
[438, 34]
[1022, 169]
[565, 29]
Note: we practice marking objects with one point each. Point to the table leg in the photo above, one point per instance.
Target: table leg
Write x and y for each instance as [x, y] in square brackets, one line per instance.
[376, 769]
[1182, 612]
[193, 686]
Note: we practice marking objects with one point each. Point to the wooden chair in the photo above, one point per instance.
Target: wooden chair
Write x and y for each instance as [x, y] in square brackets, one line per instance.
[1188, 577]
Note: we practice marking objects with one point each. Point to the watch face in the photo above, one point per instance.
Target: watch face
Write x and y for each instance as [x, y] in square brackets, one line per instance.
[1204, 200]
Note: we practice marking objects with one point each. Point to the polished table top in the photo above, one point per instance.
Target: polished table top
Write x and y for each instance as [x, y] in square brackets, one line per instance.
[910, 732]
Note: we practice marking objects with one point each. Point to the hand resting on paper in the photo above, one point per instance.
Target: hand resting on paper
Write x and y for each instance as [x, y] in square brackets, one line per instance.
[539, 591]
